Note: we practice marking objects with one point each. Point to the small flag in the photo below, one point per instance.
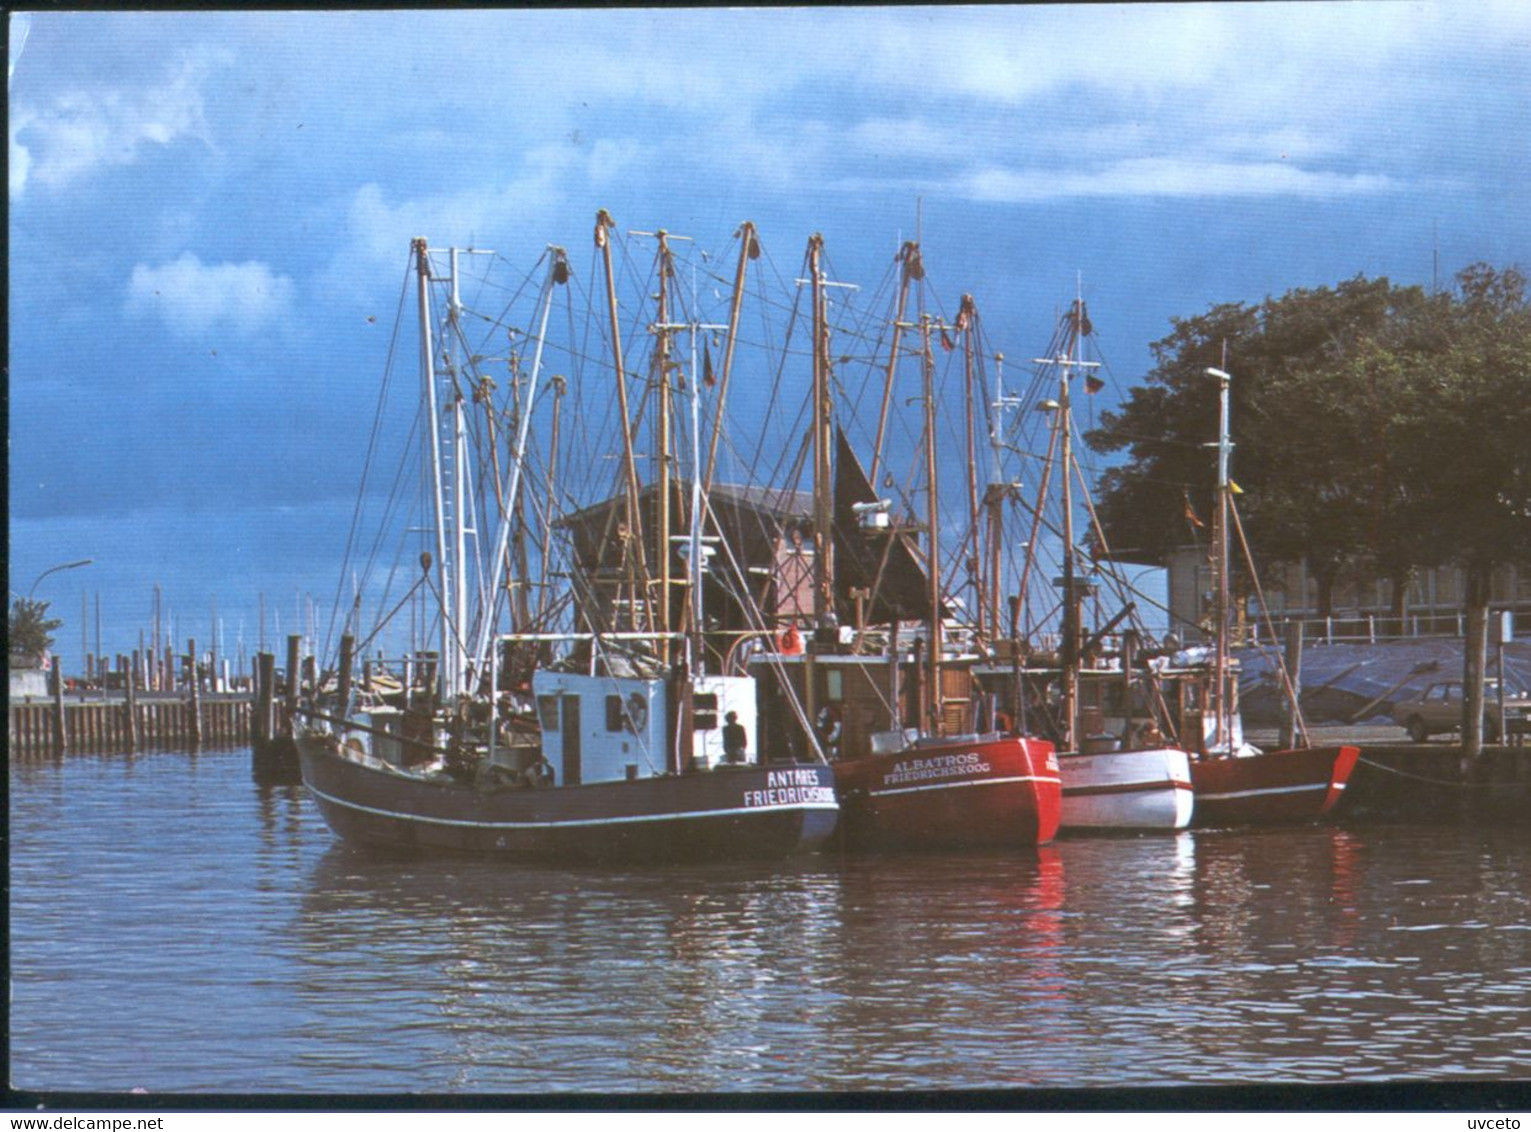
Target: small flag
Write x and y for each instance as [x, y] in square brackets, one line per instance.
[1190, 514]
[707, 378]
[1093, 384]
[1235, 488]
[946, 340]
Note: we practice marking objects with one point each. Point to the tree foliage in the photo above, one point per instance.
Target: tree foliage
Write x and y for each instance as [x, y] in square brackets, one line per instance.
[1375, 426]
[31, 628]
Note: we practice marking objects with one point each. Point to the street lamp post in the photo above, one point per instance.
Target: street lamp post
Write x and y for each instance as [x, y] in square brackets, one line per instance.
[54, 570]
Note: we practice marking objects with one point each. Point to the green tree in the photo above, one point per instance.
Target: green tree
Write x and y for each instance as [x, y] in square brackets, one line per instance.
[1308, 448]
[31, 628]
[1377, 428]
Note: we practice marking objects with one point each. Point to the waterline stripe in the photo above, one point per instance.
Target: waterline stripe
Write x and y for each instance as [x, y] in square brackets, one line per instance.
[952, 785]
[1269, 790]
[572, 822]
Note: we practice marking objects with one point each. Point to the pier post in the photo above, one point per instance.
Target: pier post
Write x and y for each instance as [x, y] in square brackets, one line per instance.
[347, 647]
[196, 695]
[130, 690]
[290, 703]
[56, 683]
[1293, 661]
[265, 704]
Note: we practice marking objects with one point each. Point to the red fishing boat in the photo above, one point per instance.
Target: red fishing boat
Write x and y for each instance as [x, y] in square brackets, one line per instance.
[994, 791]
[1235, 783]
[1273, 787]
[883, 684]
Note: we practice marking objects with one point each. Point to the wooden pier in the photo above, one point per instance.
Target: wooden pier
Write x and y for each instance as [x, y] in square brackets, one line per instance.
[109, 725]
[134, 715]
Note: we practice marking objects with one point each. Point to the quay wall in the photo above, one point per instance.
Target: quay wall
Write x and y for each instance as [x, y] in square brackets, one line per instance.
[1436, 782]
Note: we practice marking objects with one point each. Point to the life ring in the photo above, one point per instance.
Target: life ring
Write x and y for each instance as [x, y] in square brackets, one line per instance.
[791, 642]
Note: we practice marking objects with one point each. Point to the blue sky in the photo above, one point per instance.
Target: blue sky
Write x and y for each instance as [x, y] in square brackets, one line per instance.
[206, 208]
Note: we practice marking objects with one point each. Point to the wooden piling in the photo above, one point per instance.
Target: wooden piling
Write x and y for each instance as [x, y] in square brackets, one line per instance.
[1294, 671]
[194, 701]
[134, 739]
[347, 647]
[60, 732]
[290, 704]
[265, 692]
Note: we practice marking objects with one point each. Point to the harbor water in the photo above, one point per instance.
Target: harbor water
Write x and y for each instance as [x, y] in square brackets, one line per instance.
[177, 927]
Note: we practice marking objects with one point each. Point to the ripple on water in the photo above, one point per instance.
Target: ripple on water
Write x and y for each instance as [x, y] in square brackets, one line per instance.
[234, 945]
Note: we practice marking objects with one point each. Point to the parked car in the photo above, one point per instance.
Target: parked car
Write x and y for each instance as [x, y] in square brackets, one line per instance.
[1439, 711]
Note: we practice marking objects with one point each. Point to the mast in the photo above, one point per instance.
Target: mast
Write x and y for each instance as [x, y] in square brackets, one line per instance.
[1071, 360]
[604, 222]
[1222, 733]
[995, 493]
[749, 248]
[933, 512]
[823, 479]
[457, 504]
[446, 686]
[557, 267]
[560, 386]
[967, 315]
[1070, 642]
[912, 270]
[662, 441]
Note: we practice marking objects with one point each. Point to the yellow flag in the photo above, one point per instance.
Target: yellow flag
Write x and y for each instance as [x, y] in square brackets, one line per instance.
[1235, 488]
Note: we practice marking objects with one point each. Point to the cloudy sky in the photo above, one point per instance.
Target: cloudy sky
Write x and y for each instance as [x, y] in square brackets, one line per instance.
[206, 208]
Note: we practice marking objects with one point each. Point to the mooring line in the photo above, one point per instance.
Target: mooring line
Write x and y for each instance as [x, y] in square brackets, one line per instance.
[1433, 781]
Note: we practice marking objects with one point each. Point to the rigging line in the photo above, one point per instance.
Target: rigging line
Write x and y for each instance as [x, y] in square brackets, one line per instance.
[372, 440]
[383, 622]
[739, 587]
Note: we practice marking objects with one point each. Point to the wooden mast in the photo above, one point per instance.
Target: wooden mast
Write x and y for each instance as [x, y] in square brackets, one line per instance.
[823, 440]
[749, 248]
[661, 378]
[633, 548]
[433, 428]
[967, 316]
[935, 700]
[912, 269]
[560, 387]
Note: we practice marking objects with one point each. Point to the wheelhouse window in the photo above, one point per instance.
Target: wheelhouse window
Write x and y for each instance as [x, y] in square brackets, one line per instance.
[547, 712]
[704, 711]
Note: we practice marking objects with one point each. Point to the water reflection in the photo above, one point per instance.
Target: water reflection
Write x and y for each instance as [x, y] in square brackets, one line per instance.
[236, 945]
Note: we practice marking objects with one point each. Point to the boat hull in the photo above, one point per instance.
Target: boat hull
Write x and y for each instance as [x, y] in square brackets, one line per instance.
[992, 793]
[1275, 788]
[737, 813]
[1127, 790]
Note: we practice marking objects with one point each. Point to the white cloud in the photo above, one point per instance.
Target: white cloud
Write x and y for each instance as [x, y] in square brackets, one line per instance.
[193, 298]
[378, 232]
[20, 156]
[83, 131]
[1171, 177]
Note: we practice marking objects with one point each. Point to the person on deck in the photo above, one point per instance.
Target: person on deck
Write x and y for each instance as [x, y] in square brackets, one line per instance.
[735, 740]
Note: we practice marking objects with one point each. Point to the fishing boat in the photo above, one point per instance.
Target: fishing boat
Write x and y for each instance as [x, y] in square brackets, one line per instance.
[884, 683]
[1235, 783]
[1119, 772]
[597, 739]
